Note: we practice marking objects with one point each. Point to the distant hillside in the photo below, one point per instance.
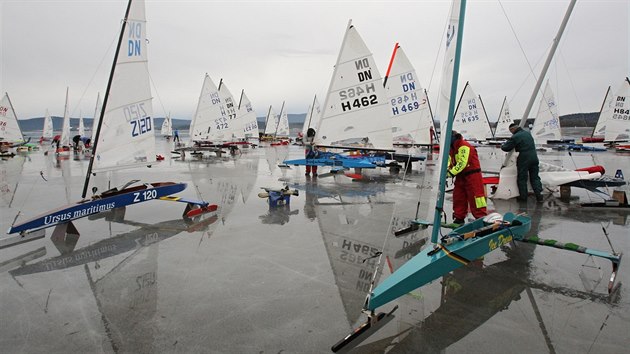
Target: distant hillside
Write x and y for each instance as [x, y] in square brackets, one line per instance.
[295, 122]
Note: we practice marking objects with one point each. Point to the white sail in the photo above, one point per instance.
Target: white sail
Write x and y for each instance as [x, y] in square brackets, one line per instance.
[167, 128]
[9, 128]
[470, 117]
[408, 103]
[355, 109]
[503, 124]
[247, 117]
[448, 65]
[604, 114]
[210, 120]
[65, 126]
[271, 122]
[97, 114]
[313, 114]
[127, 135]
[547, 124]
[618, 121]
[47, 131]
[283, 123]
[81, 125]
[233, 131]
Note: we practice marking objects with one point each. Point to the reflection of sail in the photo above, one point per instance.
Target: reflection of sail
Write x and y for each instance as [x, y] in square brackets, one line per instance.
[126, 297]
[10, 174]
[353, 229]
[274, 154]
[224, 182]
[130, 241]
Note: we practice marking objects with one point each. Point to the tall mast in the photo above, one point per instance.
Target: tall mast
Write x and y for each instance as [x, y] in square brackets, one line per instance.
[240, 100]
[391, 62]
[109, 85]
[486, 114]
[449, 125]
[601, 110]
[543, 72]
[311, 116]
[267, 119]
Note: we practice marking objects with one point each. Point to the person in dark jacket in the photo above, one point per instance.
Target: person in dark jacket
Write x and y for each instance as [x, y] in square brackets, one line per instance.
[310, 151]
[526, 163]
[468, 194]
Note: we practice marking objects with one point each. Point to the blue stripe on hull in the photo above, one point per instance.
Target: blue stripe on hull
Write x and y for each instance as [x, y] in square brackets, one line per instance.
[88, 207]
[424, 268]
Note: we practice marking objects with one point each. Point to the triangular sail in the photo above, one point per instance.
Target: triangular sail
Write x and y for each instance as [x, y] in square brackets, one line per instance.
[618, 125]
[47, 131]
[233, 129]
[65, 126]
[210, 120]
[126, 136]
[503, 124]
[271, 122]
[470, 117]
[283, 123]
[247, 117]
[313, 113]
[355, 109]
[9, 128]
[547, 124]
[408, 103]
[167, 127]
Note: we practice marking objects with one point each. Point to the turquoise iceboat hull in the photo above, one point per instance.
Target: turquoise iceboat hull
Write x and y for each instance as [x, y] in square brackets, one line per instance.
[431, 263]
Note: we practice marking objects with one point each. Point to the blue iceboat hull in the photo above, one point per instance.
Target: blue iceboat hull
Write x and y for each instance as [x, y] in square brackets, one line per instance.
[104, 202]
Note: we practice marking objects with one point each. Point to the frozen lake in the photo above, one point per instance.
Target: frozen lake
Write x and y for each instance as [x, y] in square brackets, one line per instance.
[251, 279]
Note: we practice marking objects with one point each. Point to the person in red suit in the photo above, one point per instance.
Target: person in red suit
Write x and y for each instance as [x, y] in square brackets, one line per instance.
[469, 194]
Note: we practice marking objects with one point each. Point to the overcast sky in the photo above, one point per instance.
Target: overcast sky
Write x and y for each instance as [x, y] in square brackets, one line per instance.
[285, 50]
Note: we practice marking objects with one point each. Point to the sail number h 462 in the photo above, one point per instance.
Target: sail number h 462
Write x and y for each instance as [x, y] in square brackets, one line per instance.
[353, 97]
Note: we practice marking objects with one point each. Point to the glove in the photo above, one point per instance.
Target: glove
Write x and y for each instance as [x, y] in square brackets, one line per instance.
[449, 174]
